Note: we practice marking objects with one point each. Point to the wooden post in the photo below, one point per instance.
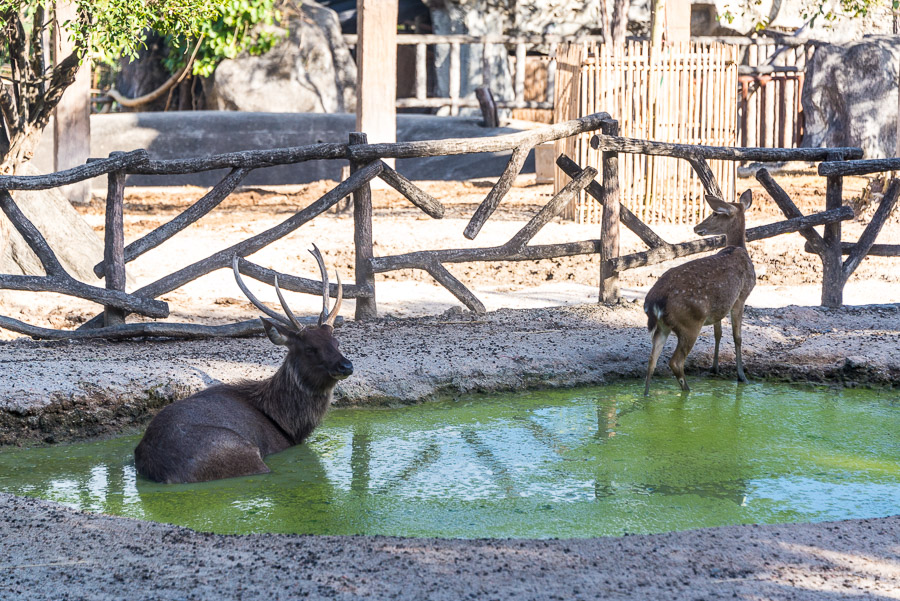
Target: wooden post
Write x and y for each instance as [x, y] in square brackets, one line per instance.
[114, 247]
[376, 59]
[609, 227]
[832, 268]
[362, 238]
[72, 116]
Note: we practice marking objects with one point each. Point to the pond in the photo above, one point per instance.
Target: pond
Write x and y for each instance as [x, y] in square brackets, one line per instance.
[563, 463]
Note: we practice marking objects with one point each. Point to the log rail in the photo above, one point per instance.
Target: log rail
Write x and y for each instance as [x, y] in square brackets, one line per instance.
[367, 164]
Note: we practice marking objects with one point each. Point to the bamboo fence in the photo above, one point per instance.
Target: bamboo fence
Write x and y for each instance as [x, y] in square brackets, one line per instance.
[684, 94]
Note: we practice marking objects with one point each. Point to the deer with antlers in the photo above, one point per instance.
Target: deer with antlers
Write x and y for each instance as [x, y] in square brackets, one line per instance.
[703, 291]
[226, 430]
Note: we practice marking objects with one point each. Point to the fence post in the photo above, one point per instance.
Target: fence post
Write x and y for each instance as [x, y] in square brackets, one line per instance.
[362, 238]
[114, 243]
[609, 228]
[832, 267]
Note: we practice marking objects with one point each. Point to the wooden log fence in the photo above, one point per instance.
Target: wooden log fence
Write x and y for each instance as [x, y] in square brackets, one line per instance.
[366, 164]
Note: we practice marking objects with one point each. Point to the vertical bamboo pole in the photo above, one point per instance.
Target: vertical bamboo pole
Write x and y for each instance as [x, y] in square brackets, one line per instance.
[609, 228]
[114, 243]
[366, 308]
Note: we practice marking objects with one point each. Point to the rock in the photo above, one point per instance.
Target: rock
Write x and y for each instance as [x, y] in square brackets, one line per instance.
[311, 71]
[850, 96]
[76, 244]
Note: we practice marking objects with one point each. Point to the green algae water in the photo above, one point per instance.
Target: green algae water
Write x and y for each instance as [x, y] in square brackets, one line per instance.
[565, 463]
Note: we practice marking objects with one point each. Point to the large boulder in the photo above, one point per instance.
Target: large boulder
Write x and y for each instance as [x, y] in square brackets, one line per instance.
[850, 96]
[310, 71]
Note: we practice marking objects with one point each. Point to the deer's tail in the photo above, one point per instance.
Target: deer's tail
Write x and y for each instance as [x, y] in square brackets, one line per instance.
[654, 308]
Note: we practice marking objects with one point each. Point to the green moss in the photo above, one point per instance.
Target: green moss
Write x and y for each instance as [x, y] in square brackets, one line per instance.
[558, 463]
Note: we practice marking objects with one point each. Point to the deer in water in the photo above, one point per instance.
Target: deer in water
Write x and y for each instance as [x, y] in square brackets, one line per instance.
[701, 292]
[226, 430]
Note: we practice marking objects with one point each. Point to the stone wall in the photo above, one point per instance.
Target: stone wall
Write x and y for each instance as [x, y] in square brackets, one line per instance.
[850, 96]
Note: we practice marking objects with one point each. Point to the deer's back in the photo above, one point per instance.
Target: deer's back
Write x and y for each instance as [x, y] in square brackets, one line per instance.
[209, 435]
[703, 289]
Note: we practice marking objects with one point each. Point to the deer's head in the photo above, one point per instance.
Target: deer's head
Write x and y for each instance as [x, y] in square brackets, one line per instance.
[727, 218]
[314, 349]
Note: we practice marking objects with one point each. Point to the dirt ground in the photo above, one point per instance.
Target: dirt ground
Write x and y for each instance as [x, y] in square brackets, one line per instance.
[543, 329]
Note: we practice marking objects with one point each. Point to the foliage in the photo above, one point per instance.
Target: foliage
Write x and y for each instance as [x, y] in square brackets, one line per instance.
[31, 86]
[812, 10]
[242, 26]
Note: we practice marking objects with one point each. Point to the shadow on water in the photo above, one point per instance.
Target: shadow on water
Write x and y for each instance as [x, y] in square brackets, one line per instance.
[563, 463]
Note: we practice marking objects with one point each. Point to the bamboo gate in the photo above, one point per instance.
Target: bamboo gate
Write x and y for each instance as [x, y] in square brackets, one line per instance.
[366, 164]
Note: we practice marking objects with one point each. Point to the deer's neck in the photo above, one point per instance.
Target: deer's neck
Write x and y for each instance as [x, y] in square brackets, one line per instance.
[294, 404]
[737, 236]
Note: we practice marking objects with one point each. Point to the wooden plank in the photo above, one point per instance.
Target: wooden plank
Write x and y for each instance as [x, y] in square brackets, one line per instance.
[376, 60]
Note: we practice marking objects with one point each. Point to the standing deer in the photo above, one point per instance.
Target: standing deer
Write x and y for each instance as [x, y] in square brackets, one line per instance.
[703, 291]
[226, 430]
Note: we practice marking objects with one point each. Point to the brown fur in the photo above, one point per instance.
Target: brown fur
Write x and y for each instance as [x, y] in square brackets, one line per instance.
[225, 431]
[703, 291]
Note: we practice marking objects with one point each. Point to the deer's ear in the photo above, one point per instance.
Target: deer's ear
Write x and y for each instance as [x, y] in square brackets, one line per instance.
[747, 199]
[276, 332]
[718, 205]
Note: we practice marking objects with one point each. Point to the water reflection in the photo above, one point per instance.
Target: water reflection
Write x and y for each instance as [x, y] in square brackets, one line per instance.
[560, 463]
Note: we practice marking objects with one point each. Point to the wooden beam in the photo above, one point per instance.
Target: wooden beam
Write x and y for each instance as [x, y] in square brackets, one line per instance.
[366, 308]
[609, 223]
[376, 61]
[673, 251]
[728, 153]
[114, 245]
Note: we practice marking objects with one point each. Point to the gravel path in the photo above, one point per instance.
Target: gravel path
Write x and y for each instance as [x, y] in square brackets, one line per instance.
[52, 553]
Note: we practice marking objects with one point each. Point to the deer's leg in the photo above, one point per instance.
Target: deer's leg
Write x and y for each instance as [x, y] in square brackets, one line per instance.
[659, 340]
[717, 330]
[686, 339]
[737, 317]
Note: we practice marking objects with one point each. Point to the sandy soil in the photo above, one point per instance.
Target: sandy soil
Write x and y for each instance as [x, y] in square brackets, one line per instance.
[543, 330]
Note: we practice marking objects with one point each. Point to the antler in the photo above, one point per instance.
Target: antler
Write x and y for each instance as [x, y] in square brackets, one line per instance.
[258, 304]
[326, 317]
